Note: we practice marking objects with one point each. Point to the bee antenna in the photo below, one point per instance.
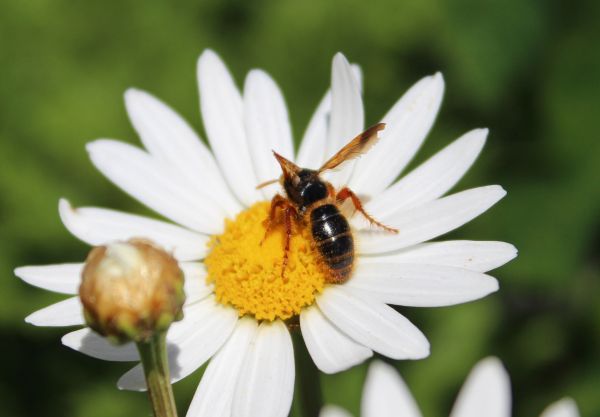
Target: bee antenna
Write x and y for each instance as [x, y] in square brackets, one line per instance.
[264, 184]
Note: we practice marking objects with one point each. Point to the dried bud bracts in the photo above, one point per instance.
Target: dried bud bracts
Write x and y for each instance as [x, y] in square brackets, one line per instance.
[130, 290]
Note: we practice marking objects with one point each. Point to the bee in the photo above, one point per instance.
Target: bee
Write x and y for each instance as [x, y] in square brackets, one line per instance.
[311, 201]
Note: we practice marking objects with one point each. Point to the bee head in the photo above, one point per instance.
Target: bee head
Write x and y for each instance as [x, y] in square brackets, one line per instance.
[302, 186]
[290, 170]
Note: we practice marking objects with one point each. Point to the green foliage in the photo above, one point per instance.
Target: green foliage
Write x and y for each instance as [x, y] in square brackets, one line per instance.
[528, 70]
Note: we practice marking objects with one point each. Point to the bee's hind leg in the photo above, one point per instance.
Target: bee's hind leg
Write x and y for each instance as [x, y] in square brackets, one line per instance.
[346, 193]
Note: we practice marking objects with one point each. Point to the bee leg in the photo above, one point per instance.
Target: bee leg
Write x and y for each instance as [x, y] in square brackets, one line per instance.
[346, 192]
[289, 214]
[330, 190]
[277, 201]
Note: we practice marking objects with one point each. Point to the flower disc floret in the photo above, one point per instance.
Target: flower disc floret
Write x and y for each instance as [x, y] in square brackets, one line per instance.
[248, 275]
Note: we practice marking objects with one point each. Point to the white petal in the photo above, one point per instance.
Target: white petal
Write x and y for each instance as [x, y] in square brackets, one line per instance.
[385, 394]
[206, 326]
[485, 393]
[563, 408]
[358, 75]
[63, 278]
[267, 126]
[347, 115]
[214, 395]
[171, 140]
[64, 313]
[193, 316]
[266, 384]
[334, 411]
[373, 324]
[478, 256]
[195, 285]
[434, 177]
[213, 324]
[311, 153]
[429, 220]
[98, 226]
[313, 147]
[419, 285]
[223, 116]
[153, 184]
[407, 125]
[331, 350]
[92, 344]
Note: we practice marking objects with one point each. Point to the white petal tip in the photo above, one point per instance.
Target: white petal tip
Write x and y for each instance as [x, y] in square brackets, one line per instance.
[478, 135]
[566, 407]
[124, 386]
[483, 131]
[471, 142]
[67, 340]
[132, 92]
[65, 212]
[72, 340]
[335, 370]
[494, 286]
[333, 411]
[131, 389]
[256, 73]
[208, 52]
[422, 354]
[491, 364]
[21, 271]
[33, 320]
[420, 350]
[134, 97]
[501, 191]
[64, 205]
[438, 78]
[340, 56]
[208, 57]
[256, 76]
[92, 146]
[495, 192]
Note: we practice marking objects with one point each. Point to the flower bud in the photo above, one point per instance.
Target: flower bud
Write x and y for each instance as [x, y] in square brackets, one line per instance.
[130, 290]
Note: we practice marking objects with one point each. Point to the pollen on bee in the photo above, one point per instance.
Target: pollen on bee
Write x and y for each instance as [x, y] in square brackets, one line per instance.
[247, 274]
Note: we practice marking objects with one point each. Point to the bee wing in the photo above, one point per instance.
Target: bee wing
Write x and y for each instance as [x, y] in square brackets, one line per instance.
[357, 146]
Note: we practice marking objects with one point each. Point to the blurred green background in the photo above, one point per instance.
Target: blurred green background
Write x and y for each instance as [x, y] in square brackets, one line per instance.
[528, 70]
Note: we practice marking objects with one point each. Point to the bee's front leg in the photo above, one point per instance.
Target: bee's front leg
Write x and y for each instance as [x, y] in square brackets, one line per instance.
[289, 214]
[276, 201]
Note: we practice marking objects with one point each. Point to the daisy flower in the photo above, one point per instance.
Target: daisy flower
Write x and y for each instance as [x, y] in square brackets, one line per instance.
[485, 393]
[238, 306]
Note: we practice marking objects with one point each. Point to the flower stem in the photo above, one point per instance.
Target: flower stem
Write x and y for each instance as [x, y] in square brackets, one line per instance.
[309, 381]
[156, 370]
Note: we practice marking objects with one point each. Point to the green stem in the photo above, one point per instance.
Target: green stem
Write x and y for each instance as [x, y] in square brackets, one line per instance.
[156, 370]
[308, 380]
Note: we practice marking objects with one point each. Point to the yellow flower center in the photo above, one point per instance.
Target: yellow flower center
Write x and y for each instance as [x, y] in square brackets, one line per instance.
[248, 275]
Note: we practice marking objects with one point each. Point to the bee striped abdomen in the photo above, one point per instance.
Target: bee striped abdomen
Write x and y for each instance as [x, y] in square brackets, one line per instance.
[333, 238]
